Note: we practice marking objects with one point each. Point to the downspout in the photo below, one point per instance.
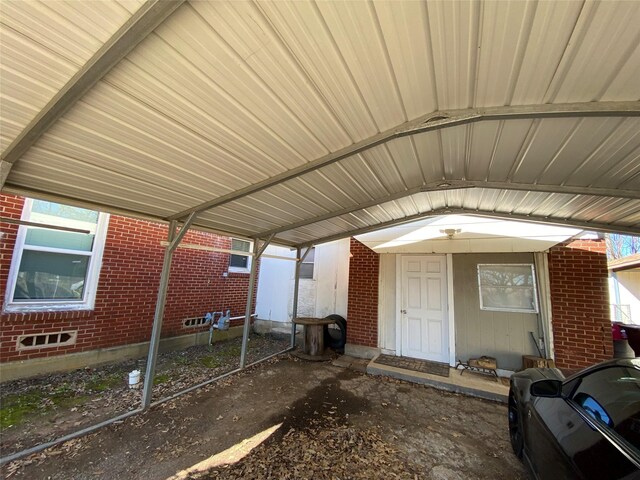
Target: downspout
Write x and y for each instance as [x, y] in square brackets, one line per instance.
[541, 261]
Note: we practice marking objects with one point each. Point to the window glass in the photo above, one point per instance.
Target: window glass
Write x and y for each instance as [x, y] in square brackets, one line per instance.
[40, 237]
[507, 287]
[612, 396]
[54, 276]
[56, 268]
[240, 262]
[306, 267]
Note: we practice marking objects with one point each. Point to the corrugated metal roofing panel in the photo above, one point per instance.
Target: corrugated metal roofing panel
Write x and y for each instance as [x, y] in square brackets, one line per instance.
[225, 95]
[604, 37]
[43, 45]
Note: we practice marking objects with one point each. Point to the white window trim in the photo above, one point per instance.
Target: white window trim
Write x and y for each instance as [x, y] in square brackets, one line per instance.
[93, 274]
[248, 254]
[536, 308]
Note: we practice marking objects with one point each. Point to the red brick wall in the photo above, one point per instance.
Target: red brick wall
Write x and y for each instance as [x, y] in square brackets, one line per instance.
[127, 288]
[580, 303]
[362, 310]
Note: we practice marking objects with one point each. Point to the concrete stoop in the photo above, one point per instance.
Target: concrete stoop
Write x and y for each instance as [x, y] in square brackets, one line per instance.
[472, 384]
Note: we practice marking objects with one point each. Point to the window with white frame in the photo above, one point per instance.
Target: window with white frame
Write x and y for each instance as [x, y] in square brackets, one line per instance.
[507, 287]
[237, 262]
[307, 266]
[56, 269]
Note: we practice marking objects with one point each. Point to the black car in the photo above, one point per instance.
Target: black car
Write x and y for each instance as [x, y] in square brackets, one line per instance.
[585, 426]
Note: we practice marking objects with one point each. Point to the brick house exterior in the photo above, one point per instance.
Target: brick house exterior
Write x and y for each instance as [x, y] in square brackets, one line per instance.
[579, 301]
[127, 288]
[362, 306]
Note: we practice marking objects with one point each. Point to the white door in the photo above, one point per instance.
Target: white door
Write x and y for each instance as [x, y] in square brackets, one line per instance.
[423, 315]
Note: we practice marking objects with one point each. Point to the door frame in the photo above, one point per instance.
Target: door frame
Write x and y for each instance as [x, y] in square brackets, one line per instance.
[450, 312]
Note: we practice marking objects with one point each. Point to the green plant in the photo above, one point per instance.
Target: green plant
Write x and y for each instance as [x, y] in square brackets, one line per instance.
[160, 379]
[210, 361]
[15, 407]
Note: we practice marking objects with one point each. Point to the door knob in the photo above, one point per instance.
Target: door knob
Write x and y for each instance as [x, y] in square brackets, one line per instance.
[404, 312]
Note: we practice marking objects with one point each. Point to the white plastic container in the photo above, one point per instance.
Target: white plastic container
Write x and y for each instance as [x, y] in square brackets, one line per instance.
[134, 379]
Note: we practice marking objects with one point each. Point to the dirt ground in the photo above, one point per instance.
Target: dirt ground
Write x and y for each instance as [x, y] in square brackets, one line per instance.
[315, 420]
[40, 409]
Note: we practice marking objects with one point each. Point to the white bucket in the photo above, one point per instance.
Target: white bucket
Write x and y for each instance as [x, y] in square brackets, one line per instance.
[134, 378]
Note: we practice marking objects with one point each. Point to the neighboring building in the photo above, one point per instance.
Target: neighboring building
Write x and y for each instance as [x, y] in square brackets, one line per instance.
[323, 287]
[72, 299]
[451, 288]
[624, 289]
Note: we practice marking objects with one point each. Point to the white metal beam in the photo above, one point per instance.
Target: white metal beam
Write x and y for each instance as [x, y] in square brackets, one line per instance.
[592, 226]
[432, 121]
[461, 184]
[150, 14]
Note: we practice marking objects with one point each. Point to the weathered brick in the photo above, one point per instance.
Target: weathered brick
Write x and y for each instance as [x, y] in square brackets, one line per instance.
[580, 303]
[127, 288]
[362, 310]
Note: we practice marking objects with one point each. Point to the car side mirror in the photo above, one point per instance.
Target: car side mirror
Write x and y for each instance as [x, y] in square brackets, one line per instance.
[548, 388]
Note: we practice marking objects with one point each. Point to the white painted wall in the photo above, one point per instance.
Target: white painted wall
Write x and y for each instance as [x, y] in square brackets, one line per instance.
[323, 295]
[624, 289]
[276, 277]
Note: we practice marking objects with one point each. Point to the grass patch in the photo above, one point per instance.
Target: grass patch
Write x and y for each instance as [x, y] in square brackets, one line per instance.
[181, 361]
[15, 407]
[231, 351]
[101, 384]
[211, 361]
[160, 379]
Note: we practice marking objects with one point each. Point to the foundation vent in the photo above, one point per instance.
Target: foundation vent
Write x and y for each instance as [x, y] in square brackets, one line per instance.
[194, 322]
[47, 340]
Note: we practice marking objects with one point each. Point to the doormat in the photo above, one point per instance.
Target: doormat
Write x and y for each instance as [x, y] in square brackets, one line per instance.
[423, 366]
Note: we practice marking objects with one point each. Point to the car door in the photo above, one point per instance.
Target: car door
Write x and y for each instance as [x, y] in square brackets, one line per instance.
[551, 424]
[593, 432]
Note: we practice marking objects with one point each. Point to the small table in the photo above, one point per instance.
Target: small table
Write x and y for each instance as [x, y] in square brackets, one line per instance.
[313, 345]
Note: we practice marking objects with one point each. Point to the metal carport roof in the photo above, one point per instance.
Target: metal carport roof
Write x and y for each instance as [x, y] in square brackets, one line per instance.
[318, 120]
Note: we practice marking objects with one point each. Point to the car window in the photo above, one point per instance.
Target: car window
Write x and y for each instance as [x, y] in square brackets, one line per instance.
[612, 396]
[593, 408]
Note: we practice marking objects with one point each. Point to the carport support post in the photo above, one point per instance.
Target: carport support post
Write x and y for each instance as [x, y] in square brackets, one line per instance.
[174, 239]
[296, 286]
[257, 252]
